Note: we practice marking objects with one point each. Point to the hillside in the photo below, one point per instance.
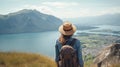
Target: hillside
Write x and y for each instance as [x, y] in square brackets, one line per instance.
[109, 56]
[13, 59]
[26, 21]
[93, 43]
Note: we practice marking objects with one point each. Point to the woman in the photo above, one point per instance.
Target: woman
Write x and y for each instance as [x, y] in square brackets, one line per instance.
[67, 30]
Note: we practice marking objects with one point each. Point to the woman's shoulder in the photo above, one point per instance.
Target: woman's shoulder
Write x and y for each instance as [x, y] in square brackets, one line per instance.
[57, 42]
[77, 42]
[76, 39]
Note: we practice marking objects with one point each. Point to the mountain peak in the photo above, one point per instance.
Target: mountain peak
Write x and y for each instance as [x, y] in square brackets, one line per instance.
[25, 11]
[28, 20]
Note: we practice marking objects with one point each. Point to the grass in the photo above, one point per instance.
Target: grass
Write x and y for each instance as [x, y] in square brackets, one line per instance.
[89, 63]
[14, 59]
[88, 60]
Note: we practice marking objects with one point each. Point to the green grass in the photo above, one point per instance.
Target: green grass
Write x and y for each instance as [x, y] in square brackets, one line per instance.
[88, 60]
[14, 59]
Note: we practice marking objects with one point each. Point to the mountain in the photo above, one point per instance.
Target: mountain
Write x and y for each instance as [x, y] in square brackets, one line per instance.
[108, 19]
[26, 21]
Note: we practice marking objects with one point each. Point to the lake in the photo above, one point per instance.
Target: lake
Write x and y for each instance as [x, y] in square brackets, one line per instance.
[41, 43]
[103, 29]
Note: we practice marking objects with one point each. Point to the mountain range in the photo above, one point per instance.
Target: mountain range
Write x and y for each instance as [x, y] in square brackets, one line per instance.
[26, 20]
[107, 19]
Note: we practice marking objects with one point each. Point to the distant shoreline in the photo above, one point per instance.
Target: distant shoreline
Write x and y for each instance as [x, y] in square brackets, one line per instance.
[78, 28]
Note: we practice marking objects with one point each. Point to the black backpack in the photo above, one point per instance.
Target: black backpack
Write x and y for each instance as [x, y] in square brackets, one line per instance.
[68, 56]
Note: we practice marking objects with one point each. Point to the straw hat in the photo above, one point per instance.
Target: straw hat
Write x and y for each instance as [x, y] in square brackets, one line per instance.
[67, 28]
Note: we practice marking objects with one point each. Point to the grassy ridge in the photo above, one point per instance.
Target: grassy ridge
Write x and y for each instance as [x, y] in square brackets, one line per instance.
[14, 59]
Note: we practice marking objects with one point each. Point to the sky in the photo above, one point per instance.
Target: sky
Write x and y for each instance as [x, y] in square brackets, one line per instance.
[63, 8]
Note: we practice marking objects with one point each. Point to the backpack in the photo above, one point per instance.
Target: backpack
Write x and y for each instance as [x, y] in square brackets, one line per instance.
[68, 56]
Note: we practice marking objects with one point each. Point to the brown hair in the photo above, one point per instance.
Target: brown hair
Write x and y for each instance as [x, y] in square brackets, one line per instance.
[62, 39]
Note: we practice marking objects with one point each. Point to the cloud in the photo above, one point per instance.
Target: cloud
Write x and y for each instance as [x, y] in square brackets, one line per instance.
[40, 8]
[43, 9]
[69, 12]
[85, 12]
[98, 12]
[112, 10]
[60, 4]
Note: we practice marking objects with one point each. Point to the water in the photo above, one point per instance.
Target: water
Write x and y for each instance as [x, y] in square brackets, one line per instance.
[42, 43]
[103, 29]
[109, 27]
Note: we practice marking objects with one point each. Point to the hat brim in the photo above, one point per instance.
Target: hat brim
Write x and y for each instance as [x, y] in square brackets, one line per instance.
[71, 32]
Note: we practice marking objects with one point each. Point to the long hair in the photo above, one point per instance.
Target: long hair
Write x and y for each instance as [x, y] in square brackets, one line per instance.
[64, 38]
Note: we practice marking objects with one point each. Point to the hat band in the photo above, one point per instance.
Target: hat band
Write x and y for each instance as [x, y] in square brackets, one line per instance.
[68, 29]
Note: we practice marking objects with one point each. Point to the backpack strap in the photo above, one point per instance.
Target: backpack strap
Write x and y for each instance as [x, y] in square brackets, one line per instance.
[73, 42]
